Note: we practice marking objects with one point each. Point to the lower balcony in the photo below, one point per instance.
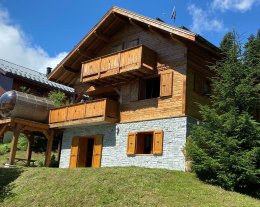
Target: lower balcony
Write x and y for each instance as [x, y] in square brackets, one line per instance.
[89, 113]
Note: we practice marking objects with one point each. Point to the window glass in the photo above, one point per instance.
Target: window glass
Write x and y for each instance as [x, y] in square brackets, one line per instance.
[144, 143]
[150, 88]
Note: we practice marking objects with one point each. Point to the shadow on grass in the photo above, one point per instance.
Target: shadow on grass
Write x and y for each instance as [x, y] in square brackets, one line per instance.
[7, 175]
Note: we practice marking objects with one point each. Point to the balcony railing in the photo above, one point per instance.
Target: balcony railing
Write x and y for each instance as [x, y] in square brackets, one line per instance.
[137, 61]
[96, 111]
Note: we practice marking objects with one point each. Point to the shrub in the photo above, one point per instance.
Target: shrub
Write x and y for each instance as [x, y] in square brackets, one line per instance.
[22, 143]
[5, 148]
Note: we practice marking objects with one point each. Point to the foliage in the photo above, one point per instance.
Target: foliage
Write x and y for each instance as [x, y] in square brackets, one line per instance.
[59, 98]
[227, 42]
[129, 186]
[24, 89]
[4, 148]
[22, 143]
[225, 147]
[39, 144]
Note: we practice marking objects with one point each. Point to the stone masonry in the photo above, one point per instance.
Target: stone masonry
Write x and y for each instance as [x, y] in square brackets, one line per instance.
[115, 143]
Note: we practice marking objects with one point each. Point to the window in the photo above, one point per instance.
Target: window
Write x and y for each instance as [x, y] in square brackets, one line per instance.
[202, 85]
[207, 88]
[133, 43]
[118, 47]
[145, 143]
[150, 88]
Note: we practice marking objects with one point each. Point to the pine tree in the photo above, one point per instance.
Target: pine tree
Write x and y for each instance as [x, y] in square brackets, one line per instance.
[225, 147]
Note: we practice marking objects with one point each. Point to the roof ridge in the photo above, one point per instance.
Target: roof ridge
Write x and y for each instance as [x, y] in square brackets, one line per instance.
[22, 66]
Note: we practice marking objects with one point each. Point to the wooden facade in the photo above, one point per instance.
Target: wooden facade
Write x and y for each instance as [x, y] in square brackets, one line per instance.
[129, 53]
[133, 69]
[101, 110]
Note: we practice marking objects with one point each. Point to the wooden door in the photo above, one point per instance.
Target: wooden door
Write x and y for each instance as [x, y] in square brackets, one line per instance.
[97, 151]
[83, 146]
[74, 152]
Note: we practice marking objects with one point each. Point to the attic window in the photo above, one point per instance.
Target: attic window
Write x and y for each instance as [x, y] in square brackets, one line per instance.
[118, 47]
[133, 43]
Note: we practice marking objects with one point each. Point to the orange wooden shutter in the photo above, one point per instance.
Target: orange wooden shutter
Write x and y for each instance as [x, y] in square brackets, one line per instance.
[166, 83]
[97, 151]
[158, 142]
[74, 152]
[134, 93]
[131, 143]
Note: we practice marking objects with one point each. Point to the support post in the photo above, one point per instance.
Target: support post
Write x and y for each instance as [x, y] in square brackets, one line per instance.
[29, 149]
[49, 148]
[59, 150]
[14, 143]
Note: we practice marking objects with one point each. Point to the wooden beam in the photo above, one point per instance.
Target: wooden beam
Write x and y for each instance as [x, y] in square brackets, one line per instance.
[101, 36]
[30, 139]
[135, 23]
[69, 69]
[59, 150]
[49, 149]
[16, 134]
[124, 21]
[2, 130]
[175, 38]
[84, 53]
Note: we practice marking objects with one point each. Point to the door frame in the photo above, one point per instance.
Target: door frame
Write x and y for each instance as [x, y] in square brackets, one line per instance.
[97, 150]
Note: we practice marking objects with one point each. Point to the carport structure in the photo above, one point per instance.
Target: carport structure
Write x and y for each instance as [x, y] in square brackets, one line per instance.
[28, 128]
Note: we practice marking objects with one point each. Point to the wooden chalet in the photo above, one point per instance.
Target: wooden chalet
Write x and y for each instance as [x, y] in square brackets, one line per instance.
[143, 79]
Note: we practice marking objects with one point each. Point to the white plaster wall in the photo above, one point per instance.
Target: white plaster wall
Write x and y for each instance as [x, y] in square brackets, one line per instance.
[115, 143]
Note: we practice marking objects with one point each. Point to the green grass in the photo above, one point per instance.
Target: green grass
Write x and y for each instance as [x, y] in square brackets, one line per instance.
[112, 187]
[22, 154]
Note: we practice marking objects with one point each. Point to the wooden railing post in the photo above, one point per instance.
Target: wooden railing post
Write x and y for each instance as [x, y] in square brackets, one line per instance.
[99, 72]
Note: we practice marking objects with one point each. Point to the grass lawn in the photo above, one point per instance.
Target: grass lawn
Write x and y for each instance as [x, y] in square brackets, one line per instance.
[128, 186]
[22, 154]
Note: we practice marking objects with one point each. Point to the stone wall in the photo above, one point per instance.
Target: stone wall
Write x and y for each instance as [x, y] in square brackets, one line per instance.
[115, 143]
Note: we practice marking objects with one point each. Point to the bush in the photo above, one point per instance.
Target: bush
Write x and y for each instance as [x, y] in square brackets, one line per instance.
[22, 143]
[5, 148]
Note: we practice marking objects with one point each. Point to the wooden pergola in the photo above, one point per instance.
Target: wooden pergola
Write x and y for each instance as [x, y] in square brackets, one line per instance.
[17, 126]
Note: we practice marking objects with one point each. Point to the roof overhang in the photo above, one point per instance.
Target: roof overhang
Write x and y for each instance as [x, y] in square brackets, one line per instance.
[67, 71]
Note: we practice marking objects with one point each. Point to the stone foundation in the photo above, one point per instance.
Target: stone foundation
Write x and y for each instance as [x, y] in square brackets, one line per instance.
[115, 143]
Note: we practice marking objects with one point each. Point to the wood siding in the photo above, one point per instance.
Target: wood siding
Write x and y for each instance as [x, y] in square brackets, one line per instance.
[139, 58]
[98, 108]
[171, 58]
[198, 70]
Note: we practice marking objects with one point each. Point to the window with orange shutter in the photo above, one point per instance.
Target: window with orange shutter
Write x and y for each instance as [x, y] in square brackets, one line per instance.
[150, 142]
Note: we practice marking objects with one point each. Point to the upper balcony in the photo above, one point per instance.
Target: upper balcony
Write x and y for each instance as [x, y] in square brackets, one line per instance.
[89, 113]
[121, 66]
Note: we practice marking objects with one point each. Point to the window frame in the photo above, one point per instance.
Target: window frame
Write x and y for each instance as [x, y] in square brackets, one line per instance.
[153, 150]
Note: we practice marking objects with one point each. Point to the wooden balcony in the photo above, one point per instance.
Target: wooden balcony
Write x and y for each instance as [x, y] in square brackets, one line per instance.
[119, 67]
[93, 112]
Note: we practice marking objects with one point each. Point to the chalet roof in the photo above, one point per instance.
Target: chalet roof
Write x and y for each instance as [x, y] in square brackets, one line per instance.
[67, 72]
[8, 68]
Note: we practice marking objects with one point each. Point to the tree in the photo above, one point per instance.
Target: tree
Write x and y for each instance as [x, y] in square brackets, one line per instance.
[228, 42]
[59, 98]
[225, 147]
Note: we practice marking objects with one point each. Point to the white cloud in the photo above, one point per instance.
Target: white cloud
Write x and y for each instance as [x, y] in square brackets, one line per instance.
[236, 5]
[16, 47]
[201, 21]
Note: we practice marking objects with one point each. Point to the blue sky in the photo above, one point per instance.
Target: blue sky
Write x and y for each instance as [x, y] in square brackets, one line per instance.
[38, 34]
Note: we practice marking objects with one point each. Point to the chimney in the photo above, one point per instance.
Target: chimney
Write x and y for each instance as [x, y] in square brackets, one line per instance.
[48, 70]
